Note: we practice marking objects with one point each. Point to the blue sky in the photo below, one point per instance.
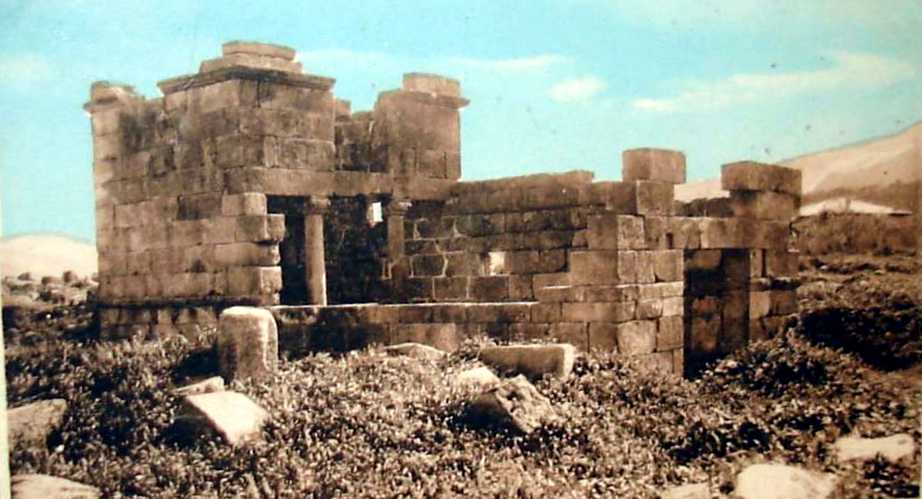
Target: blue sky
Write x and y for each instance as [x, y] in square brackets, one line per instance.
[554, 84]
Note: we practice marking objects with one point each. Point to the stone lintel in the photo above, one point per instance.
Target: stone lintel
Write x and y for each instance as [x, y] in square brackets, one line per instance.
[244, 73]
[257, 48]
[449, 101]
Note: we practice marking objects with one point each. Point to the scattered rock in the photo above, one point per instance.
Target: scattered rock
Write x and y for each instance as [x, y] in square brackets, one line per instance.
[481, 376]
[533, 361]
[248, 343]
[690, 491]
[69, 276]
[892, 448]
[780, 481]
[415, 350]
[514, 403]
[232, 415]
[32, 423]
[50, 487]
[210, 385]
[25, 276]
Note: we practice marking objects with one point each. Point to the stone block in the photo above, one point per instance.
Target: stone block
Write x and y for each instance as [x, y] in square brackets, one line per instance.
[603, 337]
[30, 425]
[209, 385]
[649, 309]
[613, 232]
[477, 376]
[546, 312]
[720, 233]
[428, 265]
[636, 337]
[704, 334]
[598, 312]
[661, 290]
[489, 289]
[645, 270]
[231, 415]
[654, 198]
[653, 164]
[443, 336]
[759, 304]
[753, 176]
[247, 343]
[561, 294]
[246, 255]
[618, 293]
[36, 486]
[783, 302]
[669, 333]
[763, 205]
[521, 288]
[249, 203]
[524, 331]
[657, 233]
[668, 265]
[534, 361]
[450, 288]
[253, 281]
[415, 350]
[574, 333]
[781, 263]
[603, 267]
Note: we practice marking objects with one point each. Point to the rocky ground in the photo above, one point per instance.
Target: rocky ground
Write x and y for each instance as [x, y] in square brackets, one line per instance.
[369, 424]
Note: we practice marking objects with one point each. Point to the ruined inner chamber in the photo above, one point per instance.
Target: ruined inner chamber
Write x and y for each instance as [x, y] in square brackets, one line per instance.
[249, 183]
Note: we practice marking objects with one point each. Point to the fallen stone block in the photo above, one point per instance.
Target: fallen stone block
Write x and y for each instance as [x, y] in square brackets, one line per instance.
[480, 376]
[892, 448]
[247, 343]
[210, 385]
[35, 486]
[690, 491]
[415, 350]
[30, 425]
[515, 404]
[533, 361]
[230, 415]
[779, 481]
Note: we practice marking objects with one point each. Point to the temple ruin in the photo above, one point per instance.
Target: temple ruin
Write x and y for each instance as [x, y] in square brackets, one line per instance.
[249, 183]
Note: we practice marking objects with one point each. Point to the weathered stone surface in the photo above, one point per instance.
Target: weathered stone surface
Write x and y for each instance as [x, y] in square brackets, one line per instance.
[533, 361]
[892, 448]
[779, 481]
[653, 164]
[30, 425]
[34, 486]
[690, 491]
[210, 385]
[482, 376]
[514, 403]
[231, 415]
[610, 231]
[415, 350]
[753, 176]
[247, 343]
[636, 337]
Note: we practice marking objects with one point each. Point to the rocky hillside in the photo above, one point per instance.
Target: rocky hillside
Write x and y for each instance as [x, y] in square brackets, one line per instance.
[46, 255]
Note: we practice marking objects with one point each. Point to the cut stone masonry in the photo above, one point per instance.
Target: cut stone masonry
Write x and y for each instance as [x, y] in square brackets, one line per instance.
[248, 183]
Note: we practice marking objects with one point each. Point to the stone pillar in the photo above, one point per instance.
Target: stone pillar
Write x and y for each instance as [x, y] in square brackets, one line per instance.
[315, 260]
[395, 213]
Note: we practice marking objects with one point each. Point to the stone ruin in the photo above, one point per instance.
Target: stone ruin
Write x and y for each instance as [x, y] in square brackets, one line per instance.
[249, 183]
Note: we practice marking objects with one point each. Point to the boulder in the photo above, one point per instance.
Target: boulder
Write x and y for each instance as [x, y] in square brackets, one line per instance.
[32, 423]
[479, 376]
[231, 415]
[534, 361]
[892, 448]
[690, 491]
[35, 486]
[415, 350]
[513, 403]
[248, 343]
[780, 481]
[210, 385]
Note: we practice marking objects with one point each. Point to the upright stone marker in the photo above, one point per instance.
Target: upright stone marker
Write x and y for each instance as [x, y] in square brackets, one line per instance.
[247, 343]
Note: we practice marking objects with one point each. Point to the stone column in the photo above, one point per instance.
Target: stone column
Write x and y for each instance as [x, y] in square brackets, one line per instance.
[314, 258]
[395, 213]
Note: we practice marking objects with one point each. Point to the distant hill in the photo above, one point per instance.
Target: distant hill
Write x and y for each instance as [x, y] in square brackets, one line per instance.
[885, 171]
[46, 254]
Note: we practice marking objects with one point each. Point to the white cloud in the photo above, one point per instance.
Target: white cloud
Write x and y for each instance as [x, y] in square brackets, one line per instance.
[850, 71]
[576, 89]
[24, 69]
[520, 64]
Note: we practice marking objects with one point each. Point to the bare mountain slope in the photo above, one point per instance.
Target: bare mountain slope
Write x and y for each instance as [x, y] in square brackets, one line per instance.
[46, 254]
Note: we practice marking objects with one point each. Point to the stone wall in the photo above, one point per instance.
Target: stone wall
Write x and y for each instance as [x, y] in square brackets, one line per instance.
[249, 183]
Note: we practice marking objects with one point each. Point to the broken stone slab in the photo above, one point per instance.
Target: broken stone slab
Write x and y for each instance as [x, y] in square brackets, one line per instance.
[689, 491]
[514, 403]
[415, 350]
[477, 376]
[258, 49]
[210, 385]
[534, 361]
[35, 486]
[780, 481]
[32, 423]
[892, 448]
[247, 343]
[231, 415]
